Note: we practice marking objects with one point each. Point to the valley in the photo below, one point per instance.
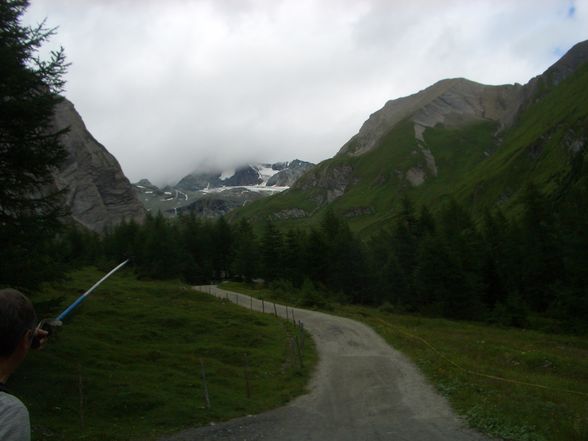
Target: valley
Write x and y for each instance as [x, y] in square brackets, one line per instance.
[428, 281]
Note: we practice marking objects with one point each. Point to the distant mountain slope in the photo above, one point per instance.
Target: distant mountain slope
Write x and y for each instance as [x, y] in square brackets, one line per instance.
[480, 144]
[97, 192]
[282, 174]
[214, 194]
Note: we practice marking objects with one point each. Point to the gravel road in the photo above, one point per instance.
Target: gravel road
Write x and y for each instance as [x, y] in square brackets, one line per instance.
[362, 390]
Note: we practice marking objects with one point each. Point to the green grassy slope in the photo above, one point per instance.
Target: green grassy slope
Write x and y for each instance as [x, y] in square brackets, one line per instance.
[137, 348]
[453, 355]
[475, 165]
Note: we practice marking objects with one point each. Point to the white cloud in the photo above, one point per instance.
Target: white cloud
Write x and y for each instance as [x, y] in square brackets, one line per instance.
[170, 86]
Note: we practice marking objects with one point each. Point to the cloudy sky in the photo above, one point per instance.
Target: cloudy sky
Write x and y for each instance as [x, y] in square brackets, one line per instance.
[176, 85]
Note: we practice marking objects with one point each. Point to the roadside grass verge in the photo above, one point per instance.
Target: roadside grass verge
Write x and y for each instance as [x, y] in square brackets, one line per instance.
[126, 365]
[451, 354]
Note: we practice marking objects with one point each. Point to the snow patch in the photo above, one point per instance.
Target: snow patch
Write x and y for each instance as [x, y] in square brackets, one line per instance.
[265, 172]
[227, 174]
[257, 188]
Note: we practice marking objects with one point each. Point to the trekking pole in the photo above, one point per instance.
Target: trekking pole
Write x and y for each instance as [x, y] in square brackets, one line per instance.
[48, 324]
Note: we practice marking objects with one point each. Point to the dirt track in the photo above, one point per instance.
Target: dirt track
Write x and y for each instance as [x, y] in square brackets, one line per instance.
[363, 390]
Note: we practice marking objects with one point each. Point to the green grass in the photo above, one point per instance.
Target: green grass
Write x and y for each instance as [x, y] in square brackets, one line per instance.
[137, 347]
[504, 409]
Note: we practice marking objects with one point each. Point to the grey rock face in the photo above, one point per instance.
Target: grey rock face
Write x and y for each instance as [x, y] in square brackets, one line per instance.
[358, 212]
[291, 213]
[97, 192]
[331, 181]
[452, 102]
[289, 174]
[199, 181]
[568, 64]
[243, 176]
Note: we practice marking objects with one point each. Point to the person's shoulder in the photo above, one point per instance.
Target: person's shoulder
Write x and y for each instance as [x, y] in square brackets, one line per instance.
[14, 419]
[11, 406]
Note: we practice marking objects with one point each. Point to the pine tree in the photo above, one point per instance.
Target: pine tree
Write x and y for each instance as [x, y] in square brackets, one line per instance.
[222, 253]
[271, 253]
[316, 257]
[294, 257]
[541, 264]
[246, 260]
[30, 148]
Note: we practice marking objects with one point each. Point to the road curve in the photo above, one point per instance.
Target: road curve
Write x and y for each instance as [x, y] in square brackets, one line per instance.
[362, 390]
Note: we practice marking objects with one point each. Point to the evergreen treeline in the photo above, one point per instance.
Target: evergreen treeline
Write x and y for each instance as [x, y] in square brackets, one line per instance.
[30, 149]
[442, 264]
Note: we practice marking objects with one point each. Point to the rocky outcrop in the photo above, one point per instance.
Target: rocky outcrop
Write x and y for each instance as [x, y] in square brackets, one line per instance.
[97, 192]
[567, 65]
[453, 103]
[358, 212]
[290, 213]
[243, 176]
[289, 174]
[329, 182]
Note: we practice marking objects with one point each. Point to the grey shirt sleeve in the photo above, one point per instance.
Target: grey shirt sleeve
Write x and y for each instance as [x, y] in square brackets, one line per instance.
[14, 419]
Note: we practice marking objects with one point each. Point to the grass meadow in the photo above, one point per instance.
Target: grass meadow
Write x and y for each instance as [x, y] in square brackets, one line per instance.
[128, 364]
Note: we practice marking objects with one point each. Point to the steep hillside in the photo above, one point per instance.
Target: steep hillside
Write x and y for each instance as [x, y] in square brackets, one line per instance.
[480, 144]
[97, 192]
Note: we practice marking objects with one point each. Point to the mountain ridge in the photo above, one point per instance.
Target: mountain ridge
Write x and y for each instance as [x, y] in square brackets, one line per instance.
[214, 194]
[450, 139]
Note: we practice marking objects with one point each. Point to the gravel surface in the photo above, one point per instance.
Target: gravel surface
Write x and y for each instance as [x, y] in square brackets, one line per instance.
[362, 390]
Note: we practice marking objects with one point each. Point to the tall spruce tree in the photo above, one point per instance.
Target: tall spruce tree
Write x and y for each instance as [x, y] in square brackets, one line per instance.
[246, 255]
[30, 148]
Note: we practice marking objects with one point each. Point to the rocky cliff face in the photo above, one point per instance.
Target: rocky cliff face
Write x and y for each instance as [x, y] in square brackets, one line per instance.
[328, 182]
[453, 103]
[97, 192]
[289, 173]
[567, 65]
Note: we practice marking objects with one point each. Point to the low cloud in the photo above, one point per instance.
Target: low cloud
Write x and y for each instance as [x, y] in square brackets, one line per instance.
[169, 87]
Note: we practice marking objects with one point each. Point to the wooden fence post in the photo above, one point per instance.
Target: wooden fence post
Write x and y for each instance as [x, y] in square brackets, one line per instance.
[302, 336]
[81, 392]
[204, 385]
[247, 384]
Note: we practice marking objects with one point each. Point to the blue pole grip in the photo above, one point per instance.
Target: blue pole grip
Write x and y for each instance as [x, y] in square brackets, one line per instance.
[71, 307]
[81, 298]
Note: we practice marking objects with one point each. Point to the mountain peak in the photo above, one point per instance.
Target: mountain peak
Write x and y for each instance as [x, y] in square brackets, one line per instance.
[568, 64]
[452, 102]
